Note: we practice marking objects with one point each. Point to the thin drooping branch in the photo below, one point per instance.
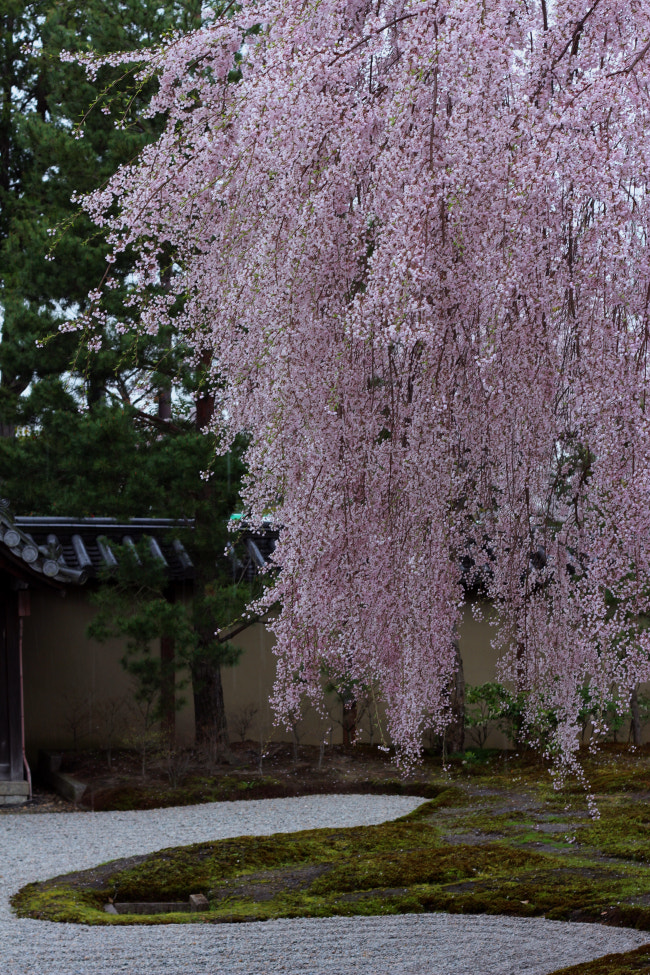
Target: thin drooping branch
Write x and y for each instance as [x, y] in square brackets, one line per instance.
[420, 266]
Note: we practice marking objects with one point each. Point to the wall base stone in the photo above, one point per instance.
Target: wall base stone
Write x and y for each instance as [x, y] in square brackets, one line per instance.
[13, 793]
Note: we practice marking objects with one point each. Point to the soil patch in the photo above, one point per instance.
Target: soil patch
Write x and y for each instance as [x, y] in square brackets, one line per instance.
[267, 885]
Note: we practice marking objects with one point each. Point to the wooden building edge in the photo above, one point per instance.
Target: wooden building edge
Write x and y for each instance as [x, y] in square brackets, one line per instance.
[47, 567]
[23, 569]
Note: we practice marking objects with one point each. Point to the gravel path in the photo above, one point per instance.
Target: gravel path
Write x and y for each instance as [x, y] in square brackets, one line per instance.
[38, 846]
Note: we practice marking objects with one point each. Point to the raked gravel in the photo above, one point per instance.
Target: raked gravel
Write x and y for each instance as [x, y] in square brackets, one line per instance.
[38, 846]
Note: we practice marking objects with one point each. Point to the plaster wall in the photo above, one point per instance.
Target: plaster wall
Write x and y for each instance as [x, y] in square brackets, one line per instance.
[72, 683]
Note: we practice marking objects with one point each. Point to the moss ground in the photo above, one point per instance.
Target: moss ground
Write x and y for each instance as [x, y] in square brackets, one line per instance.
[628, 963]
[495, 838]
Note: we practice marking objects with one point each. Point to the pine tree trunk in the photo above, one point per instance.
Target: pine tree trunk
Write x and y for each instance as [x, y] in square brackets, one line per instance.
[165, 387]
[7, 430]
[210, 723]
[168, 690]
[211, 726]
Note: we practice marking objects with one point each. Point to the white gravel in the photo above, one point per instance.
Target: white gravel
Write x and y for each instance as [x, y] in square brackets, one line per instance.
[38, 846]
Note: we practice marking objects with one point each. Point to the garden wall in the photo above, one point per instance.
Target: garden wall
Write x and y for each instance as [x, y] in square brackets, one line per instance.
[76, 691]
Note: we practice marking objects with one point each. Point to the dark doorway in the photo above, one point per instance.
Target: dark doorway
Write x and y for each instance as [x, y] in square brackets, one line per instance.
[11, 764]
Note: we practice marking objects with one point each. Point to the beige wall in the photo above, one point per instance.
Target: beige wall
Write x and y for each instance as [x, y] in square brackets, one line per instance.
[71, 683]
[480, 658]
[475, 636]
[68, 679]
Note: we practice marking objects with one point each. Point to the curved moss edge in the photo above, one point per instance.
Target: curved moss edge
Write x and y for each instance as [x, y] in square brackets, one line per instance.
[59, 899]
[403, 866]
[628, 963]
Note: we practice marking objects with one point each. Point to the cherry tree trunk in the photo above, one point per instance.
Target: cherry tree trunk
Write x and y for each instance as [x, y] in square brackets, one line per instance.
[455, 732]
[635, 727]
[349, 722]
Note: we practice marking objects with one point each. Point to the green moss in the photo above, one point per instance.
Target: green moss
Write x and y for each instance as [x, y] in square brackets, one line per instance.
[623, 830]
[497, 847]
[447, 797]
[628, 963]
[419, 866]
[390, 868]
[61, 903]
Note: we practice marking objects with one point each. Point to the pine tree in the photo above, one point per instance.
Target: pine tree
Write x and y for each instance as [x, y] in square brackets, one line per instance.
[42, 167]
[87, 430]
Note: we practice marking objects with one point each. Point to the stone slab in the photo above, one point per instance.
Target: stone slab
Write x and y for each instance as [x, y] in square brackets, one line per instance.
[142, 907]
[67, 786]
[14, 789]
[12, 800]
[199, 902]
[49, 767]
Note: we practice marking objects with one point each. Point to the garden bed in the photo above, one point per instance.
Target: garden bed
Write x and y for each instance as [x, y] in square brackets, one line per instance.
[494, 838]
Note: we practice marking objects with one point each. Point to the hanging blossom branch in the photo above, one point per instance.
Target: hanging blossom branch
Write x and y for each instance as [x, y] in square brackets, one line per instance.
[420, 269]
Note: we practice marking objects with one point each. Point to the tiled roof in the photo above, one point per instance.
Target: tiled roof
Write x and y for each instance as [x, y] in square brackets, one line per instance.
[253, 553]
[20, 550]
[69, 550]
[87, 545]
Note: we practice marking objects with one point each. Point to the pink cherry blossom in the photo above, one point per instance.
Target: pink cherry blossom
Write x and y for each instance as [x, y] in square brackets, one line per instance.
[413, 240]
